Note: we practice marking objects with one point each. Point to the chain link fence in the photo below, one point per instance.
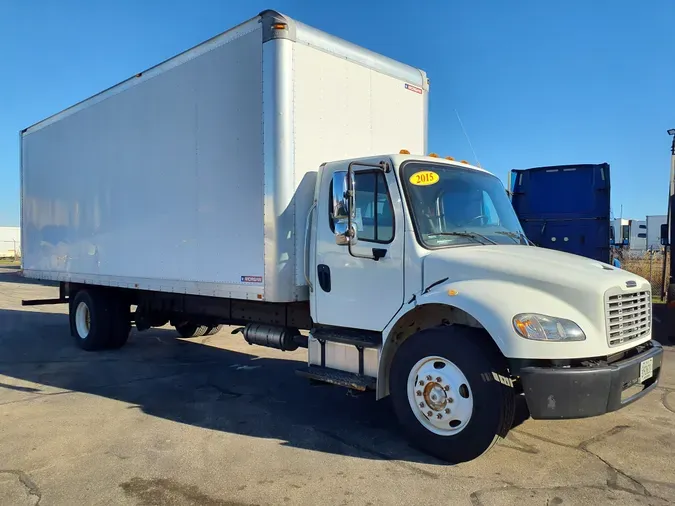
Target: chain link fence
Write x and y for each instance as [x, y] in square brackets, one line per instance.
[650, 265]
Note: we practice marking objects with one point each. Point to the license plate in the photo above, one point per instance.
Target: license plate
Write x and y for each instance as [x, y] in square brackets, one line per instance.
[646, 369]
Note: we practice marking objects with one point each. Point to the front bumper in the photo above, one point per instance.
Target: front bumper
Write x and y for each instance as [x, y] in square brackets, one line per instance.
[580, 391]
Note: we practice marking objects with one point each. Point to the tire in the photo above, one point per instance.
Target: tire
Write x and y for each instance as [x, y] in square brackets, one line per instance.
[98, 321]
[121, 323]
[477, 407]
[213, 330]
[189, 329]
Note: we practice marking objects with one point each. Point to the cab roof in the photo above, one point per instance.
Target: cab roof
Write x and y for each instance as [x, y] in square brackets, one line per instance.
[401, 158]
[398, 159]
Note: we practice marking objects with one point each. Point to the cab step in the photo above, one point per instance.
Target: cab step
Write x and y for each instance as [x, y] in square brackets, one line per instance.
[358, 338]
[336, 377]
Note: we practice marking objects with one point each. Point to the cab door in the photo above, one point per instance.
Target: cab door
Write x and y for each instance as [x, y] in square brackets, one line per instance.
[361, 289]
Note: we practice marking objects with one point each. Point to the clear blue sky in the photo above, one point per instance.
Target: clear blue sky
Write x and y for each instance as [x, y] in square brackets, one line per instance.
[535, 82]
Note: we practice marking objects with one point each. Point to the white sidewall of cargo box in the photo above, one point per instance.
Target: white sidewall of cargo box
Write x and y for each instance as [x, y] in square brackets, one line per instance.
[159, 185]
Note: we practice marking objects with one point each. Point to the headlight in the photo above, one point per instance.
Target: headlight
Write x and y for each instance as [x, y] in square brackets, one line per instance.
[546, 328]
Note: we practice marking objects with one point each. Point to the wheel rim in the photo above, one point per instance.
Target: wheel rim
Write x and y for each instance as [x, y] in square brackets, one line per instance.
[83, 320]
[440, 396]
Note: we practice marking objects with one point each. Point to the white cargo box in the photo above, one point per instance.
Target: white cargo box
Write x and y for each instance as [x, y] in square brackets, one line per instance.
[196, 176]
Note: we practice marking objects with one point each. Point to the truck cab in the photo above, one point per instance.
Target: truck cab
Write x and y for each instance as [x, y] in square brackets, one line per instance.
[426, 256]
[399, 223]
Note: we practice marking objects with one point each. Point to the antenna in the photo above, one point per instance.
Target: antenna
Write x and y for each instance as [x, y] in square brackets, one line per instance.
[467, 139]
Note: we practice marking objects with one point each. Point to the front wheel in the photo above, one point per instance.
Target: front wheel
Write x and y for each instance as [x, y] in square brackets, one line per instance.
[451, 392]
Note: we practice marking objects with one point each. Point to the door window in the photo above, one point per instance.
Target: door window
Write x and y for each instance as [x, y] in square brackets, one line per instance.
[374, 214]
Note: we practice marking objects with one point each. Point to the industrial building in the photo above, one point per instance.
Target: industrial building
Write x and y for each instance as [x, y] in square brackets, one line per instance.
[10, 242]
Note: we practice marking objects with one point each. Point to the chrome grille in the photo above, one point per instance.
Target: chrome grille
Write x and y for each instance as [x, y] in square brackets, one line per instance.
[628, 315]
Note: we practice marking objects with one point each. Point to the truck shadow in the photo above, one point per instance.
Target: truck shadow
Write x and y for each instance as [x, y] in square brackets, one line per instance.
[202, 385]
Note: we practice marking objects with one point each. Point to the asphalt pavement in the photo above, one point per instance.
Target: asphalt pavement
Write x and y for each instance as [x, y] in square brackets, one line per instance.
[213, 421]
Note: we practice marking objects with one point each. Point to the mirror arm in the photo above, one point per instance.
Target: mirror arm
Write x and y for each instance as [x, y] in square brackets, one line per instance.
[351, 198]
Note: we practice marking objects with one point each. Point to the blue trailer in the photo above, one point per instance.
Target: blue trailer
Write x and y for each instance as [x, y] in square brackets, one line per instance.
[565, 207]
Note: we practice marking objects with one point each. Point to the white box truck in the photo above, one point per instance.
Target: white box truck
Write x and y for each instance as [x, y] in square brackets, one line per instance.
[249, 181]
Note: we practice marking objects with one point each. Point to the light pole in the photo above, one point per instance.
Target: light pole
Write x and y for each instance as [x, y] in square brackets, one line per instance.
[670, 296]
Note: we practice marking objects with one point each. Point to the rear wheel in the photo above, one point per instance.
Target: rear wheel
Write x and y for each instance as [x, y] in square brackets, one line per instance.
[98, 320]
[213, 330]
[121, 323]
[190, 329]
[448, 390]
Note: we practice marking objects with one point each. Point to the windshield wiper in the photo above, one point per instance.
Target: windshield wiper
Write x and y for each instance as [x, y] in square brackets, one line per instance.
[480, 238]
[520, 237]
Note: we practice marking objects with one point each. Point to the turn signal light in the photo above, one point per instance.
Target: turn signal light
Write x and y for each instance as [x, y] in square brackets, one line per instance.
[521, 326]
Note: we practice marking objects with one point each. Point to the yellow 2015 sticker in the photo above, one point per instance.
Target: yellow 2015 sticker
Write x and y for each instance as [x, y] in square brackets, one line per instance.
[424, 178]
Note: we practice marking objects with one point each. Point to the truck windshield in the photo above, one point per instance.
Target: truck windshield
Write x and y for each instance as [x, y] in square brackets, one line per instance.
[454, 206]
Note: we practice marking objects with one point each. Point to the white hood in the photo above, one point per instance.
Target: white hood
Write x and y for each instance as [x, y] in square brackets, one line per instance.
[493, 283]
[540, 266]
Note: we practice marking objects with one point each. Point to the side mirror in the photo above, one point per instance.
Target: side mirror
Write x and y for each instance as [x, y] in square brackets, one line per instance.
[343, 205]
[342, 236]
[664, 235]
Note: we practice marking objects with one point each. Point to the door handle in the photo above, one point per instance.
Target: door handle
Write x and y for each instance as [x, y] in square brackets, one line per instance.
[379, 253]
[323, 275]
